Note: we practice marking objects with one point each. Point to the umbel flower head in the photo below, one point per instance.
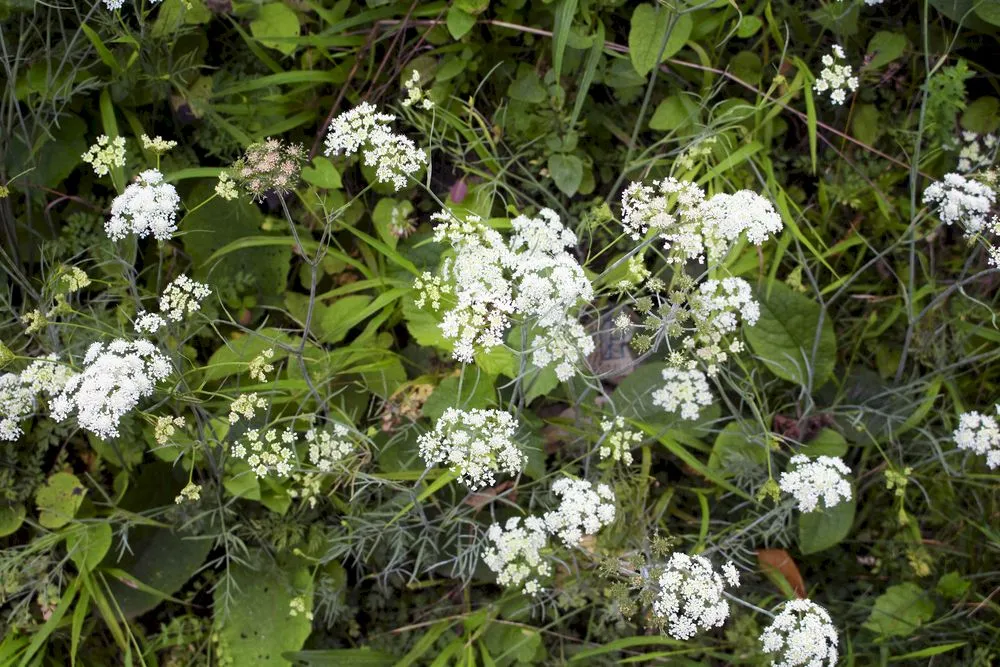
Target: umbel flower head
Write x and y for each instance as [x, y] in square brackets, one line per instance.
[182, 297]
[148, 206]
[268, 166]
[492, 279]
[16, 403]
[116, 376]
[801, 635]
[685, 392]
[823, 478]
[961, 200]
[583, 509]
[836, 77]
[979, 433]
[105, 154]
[365, 129]
[515, 553]
[474, 444]
[690, 597]
[691, 226]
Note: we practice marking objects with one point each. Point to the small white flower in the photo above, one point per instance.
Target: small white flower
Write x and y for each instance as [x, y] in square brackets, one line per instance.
[149, 323]
[46, 375]
[364, 129]
[618, 441]
[327, 448]
[190, 493]
[115, 378]
[515, 553]
[16, 403]
[690, 598]
[267, 452]
[836, 77]
[980, 434]
[685, 391]
[809, 481]
[105, 154]
[182, 297]
[583, 509]
[165, 428]
[226, 187]
[474, 444]
[148, 206]
[245, 406]
[963, 201]
[802, 635]
[415, 94]
[261, 365]
[158, 145]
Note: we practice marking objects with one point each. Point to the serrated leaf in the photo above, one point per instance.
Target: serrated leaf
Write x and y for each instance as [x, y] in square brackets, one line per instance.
[824, 528]
[274, 27]
[900, 611]
[648, 29]
[785, 335]
[567, 172]
[884, 47]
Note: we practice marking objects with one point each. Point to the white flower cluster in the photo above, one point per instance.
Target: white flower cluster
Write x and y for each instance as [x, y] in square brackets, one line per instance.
[148, 206]
[717, 309]
[327, 448]
[267, 452]
[872, 3]
[618, 441]
[963, 201]
[977, 151]
[165, 428]
[159, 145]
[979, 433]
[364, 128]
[19, 391]
[583, 509]
[261, 365]
[245, 406]
[115, 377]
[692, 226]
[802, 635]
[690, 598]
[824, 477]
[836, 77]
[105, 154]
[474, 444]
[147, 323]
[117, 4]
[182, 297]
[515, 556]
[415, 94]
[685, 391]
[530, 275]
[190, 494]
[16, 403]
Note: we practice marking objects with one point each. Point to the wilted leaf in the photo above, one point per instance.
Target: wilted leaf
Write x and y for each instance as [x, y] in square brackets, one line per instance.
[779, 562]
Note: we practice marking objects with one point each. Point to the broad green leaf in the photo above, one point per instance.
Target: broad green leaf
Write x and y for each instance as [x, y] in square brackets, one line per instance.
[953, 585]
[785, 335]
[747, 65]
[884, 47]
[982, 116]
[88, 544]
[673, 113]
[823, 528]
[567, 172]
[322, 174]
[826, 443]
[900, 611]
[341, 315]
[477, 392]
[275, 26]
[648, 31]
[527, 87]
[459, 22]
[11, 518]
[748, 26]
[258, 628]
[865, 124]
[737, 447]
[59, 499]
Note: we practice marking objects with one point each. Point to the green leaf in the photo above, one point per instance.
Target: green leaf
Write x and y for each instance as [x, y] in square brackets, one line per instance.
[989, 11]
[322, 174]
[527, 87]
[59, 499]
[884, 47]
[748, 26]
[865, 124]
[673, 113]
[900, 611]
[567, 172]
[459, 22]
[11, 518]
[747, 65]
[648, 29]
[258, 628]
[827, 443]
[477, 392]
[275, 27]
[564, 14]
[88, 544]
[785, 334]
[823, 528]
[337, 657]
[953, 585]
[738, 447]
[343, 314]
[982, 116]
